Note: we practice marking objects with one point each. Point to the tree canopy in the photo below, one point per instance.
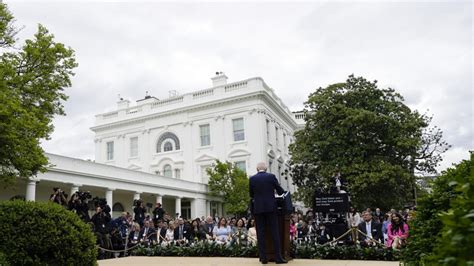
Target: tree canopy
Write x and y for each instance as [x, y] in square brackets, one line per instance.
[32, 82]
[369, 136]
[232, 184]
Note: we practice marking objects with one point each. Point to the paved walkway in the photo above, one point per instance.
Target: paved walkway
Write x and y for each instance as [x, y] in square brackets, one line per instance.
[217, 261]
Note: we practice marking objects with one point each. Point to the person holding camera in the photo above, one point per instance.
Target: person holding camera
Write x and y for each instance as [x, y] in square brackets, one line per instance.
[78, 203]
[101, 221]
[58, 196]
[139, 211]
[158, 214]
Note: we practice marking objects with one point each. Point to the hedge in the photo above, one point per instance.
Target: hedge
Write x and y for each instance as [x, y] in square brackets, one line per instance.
[35, 233]
[442, 232]
[300, 251]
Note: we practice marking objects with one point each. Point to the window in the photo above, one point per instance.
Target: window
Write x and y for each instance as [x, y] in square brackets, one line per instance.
[270, 163]
[279, 173]
[167, 172]
[168, 146]
[110, 150]
[241, 165]
[284, 142]
[117, 207]
[204, 131]
[134, 147]
[238, 125]
[268, 129]
[177, 173]
[276, 136]
[167, 136]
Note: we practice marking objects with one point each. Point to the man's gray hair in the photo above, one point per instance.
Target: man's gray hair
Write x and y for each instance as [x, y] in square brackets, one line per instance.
[261, 166]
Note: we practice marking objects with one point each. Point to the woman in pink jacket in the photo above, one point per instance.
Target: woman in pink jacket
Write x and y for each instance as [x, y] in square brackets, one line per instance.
[397, 232]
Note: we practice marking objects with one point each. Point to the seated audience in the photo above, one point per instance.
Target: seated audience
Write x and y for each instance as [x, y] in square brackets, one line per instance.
[371, 229]
[397, 232]
[222, 232]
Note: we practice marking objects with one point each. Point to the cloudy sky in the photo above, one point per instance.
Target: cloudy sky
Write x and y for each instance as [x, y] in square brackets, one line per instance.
[424, 50]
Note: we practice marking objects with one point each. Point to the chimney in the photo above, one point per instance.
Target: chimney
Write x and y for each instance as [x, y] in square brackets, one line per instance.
[122, 104]
[219, 80]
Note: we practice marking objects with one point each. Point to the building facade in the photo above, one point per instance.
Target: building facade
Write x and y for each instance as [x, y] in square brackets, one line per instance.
[159, 150]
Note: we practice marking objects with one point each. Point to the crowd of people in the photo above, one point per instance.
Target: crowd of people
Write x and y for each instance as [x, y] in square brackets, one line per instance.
[151, 227]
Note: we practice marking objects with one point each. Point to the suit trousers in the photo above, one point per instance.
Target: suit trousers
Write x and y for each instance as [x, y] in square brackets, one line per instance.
[268, 220]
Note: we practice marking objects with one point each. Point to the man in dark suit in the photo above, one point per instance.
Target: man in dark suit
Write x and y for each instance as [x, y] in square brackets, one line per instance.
[262, 188]
[182, 232]
[371, 228]
[148, 233]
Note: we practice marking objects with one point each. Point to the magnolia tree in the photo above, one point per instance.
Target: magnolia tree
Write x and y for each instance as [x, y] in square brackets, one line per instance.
[368, 136]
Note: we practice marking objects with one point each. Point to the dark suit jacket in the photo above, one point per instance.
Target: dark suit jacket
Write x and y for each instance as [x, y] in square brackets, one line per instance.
[376, 229]
[151, 234]
[186, 232]
[262, 188]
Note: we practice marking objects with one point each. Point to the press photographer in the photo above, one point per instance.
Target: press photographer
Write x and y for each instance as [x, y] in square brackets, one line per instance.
[101, 220]
[58, 196]
[139, 211]
[79, 204]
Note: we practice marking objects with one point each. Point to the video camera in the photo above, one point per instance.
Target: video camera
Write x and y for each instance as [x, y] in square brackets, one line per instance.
[83, 195]
[137, 202]
[102, 203]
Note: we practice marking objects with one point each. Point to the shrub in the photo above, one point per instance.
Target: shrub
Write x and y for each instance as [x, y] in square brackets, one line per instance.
[3, 260]
[300, 251]
[44, 234]
[448, 200]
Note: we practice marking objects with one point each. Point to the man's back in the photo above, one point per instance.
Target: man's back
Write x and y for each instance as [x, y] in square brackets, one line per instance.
[262, 191]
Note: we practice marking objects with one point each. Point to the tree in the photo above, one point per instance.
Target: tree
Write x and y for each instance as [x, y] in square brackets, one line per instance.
[369, 136]
[232, 184]
[32, 81]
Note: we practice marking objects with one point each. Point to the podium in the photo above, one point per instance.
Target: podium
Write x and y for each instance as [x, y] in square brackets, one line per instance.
[284, 210]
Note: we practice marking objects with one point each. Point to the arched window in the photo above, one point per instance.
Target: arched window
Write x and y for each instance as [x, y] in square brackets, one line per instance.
[168, 146]
[167, 136]
[167, 172]
[118, 207]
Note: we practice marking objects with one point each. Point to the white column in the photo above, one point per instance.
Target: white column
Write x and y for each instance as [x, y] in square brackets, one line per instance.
[159, 199]
[208, 208]
[74, 188]
[198, 208]
[109, 197]
[178, 205]
[31, 190]
[222, 208]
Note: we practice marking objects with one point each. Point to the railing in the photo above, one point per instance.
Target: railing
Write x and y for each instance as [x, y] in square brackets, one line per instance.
[235, 86]
[110, 115]
[134, 110]
[220, 90]
[299, 115]
[204, 93]
[167, 101]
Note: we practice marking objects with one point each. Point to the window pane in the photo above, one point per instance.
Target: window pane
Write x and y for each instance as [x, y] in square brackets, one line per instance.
[205, 135]
[238, 126]
[241, 165]
[168, 146]
[134, 147]
[110, 150]
[167, 171]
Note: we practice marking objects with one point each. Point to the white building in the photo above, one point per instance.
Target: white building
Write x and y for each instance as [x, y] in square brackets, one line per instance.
[166, 145]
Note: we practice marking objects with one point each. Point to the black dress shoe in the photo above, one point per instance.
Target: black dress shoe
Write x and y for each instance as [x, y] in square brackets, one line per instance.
[264, 261]
[281, 262]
